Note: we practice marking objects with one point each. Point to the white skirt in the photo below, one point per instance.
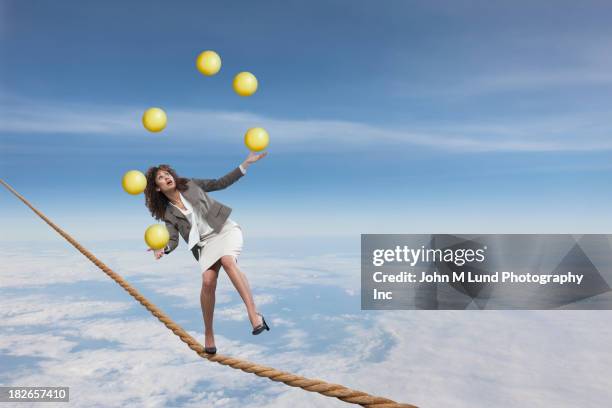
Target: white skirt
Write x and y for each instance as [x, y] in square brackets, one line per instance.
[228, 241]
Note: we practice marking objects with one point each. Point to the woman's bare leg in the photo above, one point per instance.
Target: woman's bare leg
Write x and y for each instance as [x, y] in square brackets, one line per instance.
[241, 284]
[207, 301]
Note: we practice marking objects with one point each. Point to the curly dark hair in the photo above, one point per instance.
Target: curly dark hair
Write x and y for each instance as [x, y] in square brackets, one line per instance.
[156, 201]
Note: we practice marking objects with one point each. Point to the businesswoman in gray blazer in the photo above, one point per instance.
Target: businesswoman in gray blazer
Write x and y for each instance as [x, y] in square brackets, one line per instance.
[214, 239]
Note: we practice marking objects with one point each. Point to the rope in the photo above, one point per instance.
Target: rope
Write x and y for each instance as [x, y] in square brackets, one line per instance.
[313, 385]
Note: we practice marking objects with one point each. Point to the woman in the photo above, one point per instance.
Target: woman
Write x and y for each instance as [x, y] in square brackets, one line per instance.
[214, 239]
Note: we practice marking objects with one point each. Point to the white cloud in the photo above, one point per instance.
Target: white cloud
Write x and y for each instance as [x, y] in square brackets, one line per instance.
[39, 345]
[132, 372]
[294, 272]
[499, 358]
[279, 321]
[35, 117]
[428, 358]
[26, 271]
[296, 339]
[179, 277]
[463, 359]
[42, 310]
[536, 81]
[238, 312]
[126, 371]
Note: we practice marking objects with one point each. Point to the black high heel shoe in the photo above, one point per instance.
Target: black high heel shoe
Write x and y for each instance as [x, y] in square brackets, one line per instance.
[263, 326]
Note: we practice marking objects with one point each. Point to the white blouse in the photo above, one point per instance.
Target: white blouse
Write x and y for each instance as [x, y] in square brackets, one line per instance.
[199, 226]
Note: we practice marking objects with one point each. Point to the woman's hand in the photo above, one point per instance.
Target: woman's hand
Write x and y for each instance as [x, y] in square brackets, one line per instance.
[157, 253]
[252, 158]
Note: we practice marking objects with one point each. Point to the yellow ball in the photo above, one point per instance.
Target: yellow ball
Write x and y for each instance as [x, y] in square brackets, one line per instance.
[134, 182]
[208, 63]
[245, 84]
[154, 119]
[256, 139]
[157, 236]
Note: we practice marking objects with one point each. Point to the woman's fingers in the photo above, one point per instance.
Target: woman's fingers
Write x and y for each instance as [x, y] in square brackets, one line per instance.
[156, 253]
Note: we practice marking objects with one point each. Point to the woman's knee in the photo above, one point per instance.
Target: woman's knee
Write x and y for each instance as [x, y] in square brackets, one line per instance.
[209, 280]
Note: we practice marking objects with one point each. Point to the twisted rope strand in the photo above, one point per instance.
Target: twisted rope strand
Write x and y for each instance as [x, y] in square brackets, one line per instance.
[313, 385]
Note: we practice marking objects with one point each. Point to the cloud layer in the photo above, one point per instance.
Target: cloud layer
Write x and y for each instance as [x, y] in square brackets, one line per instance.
[113, 353]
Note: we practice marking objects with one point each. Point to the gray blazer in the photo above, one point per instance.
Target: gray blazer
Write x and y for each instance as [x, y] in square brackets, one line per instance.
[213, 211]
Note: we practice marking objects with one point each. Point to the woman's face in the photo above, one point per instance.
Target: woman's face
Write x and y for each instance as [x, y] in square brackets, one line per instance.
[164, 181]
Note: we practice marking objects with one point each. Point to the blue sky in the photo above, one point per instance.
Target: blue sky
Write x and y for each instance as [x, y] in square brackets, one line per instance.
[395, 117]
[384, 117]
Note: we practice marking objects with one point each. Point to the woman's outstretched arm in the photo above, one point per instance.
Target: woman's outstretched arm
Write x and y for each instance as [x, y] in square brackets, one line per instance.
[220, 183]
[231, 177]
